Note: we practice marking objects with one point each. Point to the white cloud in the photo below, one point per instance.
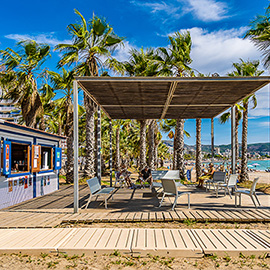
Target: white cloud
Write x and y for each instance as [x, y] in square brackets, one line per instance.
[47, 38]
[263, 106]
[204, 10]
[207, 10]
[122, 52]
[216, 51]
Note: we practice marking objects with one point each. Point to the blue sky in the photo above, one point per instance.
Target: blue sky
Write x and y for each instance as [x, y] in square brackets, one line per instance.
[216, 27]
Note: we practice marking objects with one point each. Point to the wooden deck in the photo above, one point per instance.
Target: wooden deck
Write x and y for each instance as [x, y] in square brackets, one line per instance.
[136, 242]
[128, 206]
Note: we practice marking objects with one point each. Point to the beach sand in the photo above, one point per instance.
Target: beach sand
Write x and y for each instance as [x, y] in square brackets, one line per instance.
[264, 176]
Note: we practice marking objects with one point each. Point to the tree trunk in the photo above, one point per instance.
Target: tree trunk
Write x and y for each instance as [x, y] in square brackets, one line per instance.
[244, 173]
[179, 147]
[89, 169]
[117, 150]
[174, 149]
[151, 145]
[198, 148]
[142, 144]
[69, 164]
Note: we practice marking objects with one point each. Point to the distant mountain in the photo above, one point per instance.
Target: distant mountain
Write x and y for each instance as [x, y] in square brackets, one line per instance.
[255, 147]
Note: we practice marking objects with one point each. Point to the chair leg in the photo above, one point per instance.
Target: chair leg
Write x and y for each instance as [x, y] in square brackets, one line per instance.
[162, 200]
[240, 197]
[188, 201]
[106, 202]
[175, 202]
[251, 196]
[257, 198]
[228, 192]
[89, 200]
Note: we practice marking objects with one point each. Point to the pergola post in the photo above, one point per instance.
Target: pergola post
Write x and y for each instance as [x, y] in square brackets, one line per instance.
[233, 153]
[212, 140]
[110, 153]
[99, 144]
[76, 146]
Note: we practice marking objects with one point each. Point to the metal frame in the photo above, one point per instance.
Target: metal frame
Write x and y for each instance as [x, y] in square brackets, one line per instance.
[233, 153]
[76, 147]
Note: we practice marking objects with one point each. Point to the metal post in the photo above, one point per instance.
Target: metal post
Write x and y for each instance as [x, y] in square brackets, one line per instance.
[233, 154]
[212, 139]
[99, 144]
[76, 147]
[110, 153]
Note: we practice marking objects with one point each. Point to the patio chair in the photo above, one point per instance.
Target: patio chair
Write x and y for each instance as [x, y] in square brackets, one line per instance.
[231, 183]
[218, 177]
[119, 180]
[170, 189]
[251, 193]
[96, 191]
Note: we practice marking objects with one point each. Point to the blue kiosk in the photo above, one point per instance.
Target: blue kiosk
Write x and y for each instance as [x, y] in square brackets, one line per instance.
[30, 162]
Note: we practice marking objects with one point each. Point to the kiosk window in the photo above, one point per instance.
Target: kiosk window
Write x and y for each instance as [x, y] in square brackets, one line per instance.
[46, 158]
[19, 158]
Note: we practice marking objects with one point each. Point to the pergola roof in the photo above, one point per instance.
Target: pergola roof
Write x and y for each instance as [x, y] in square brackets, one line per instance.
[168, 97]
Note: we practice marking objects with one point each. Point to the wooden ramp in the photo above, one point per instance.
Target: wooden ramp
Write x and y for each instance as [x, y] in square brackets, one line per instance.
[136, 242]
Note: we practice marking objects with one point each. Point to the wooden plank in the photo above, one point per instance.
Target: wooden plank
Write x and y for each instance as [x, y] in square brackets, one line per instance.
[181, 215]
[152, 216]
[174, 216]
[167, 216]
[145, 217]
[130, 217]
[159, 216]
[137, 216]
[212, 217]
[188, 214]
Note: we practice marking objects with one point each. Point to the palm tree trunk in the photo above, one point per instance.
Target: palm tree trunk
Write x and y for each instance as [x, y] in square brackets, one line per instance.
[142, 144]
[198, 148]
[179, 147]
[151, 145]
[117, 150]
[69, 165]
[174, 150]
[89, 169]
[244, 173]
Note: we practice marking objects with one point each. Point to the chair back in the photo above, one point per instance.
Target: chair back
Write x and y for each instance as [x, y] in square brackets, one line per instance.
[169, 186]
[253, 187]
[172, 174]
[94, 185]
[157, 175]
[232, 179]
[219, 176]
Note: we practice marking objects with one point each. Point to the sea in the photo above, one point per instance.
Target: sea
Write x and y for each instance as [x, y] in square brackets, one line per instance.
[262, 164]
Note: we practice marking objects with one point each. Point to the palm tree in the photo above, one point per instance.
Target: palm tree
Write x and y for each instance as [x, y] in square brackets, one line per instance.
[177, 58]
[64, 83]
[259, 34]
[141, 63]
[225, 118]
[248, 68]
[22, 71]
[198, 148]
[90, 42]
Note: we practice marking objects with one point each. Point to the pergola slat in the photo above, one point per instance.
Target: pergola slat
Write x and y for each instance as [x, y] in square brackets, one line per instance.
[168, 97]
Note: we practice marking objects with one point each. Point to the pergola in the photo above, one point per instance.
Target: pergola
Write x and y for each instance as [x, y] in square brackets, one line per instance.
[162, 98]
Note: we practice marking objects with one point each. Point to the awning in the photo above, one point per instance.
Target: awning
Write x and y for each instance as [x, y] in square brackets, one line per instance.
[168, 97]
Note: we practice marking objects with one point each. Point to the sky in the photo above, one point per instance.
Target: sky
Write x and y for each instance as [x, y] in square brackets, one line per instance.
[217, 29]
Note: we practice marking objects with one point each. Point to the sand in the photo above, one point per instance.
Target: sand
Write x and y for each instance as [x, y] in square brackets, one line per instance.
[116, 261]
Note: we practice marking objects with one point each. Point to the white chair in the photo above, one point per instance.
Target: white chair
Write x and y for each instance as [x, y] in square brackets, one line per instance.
[96, 191]
[218, 177]
[170, 189]
[231, 183]
[251, 193]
